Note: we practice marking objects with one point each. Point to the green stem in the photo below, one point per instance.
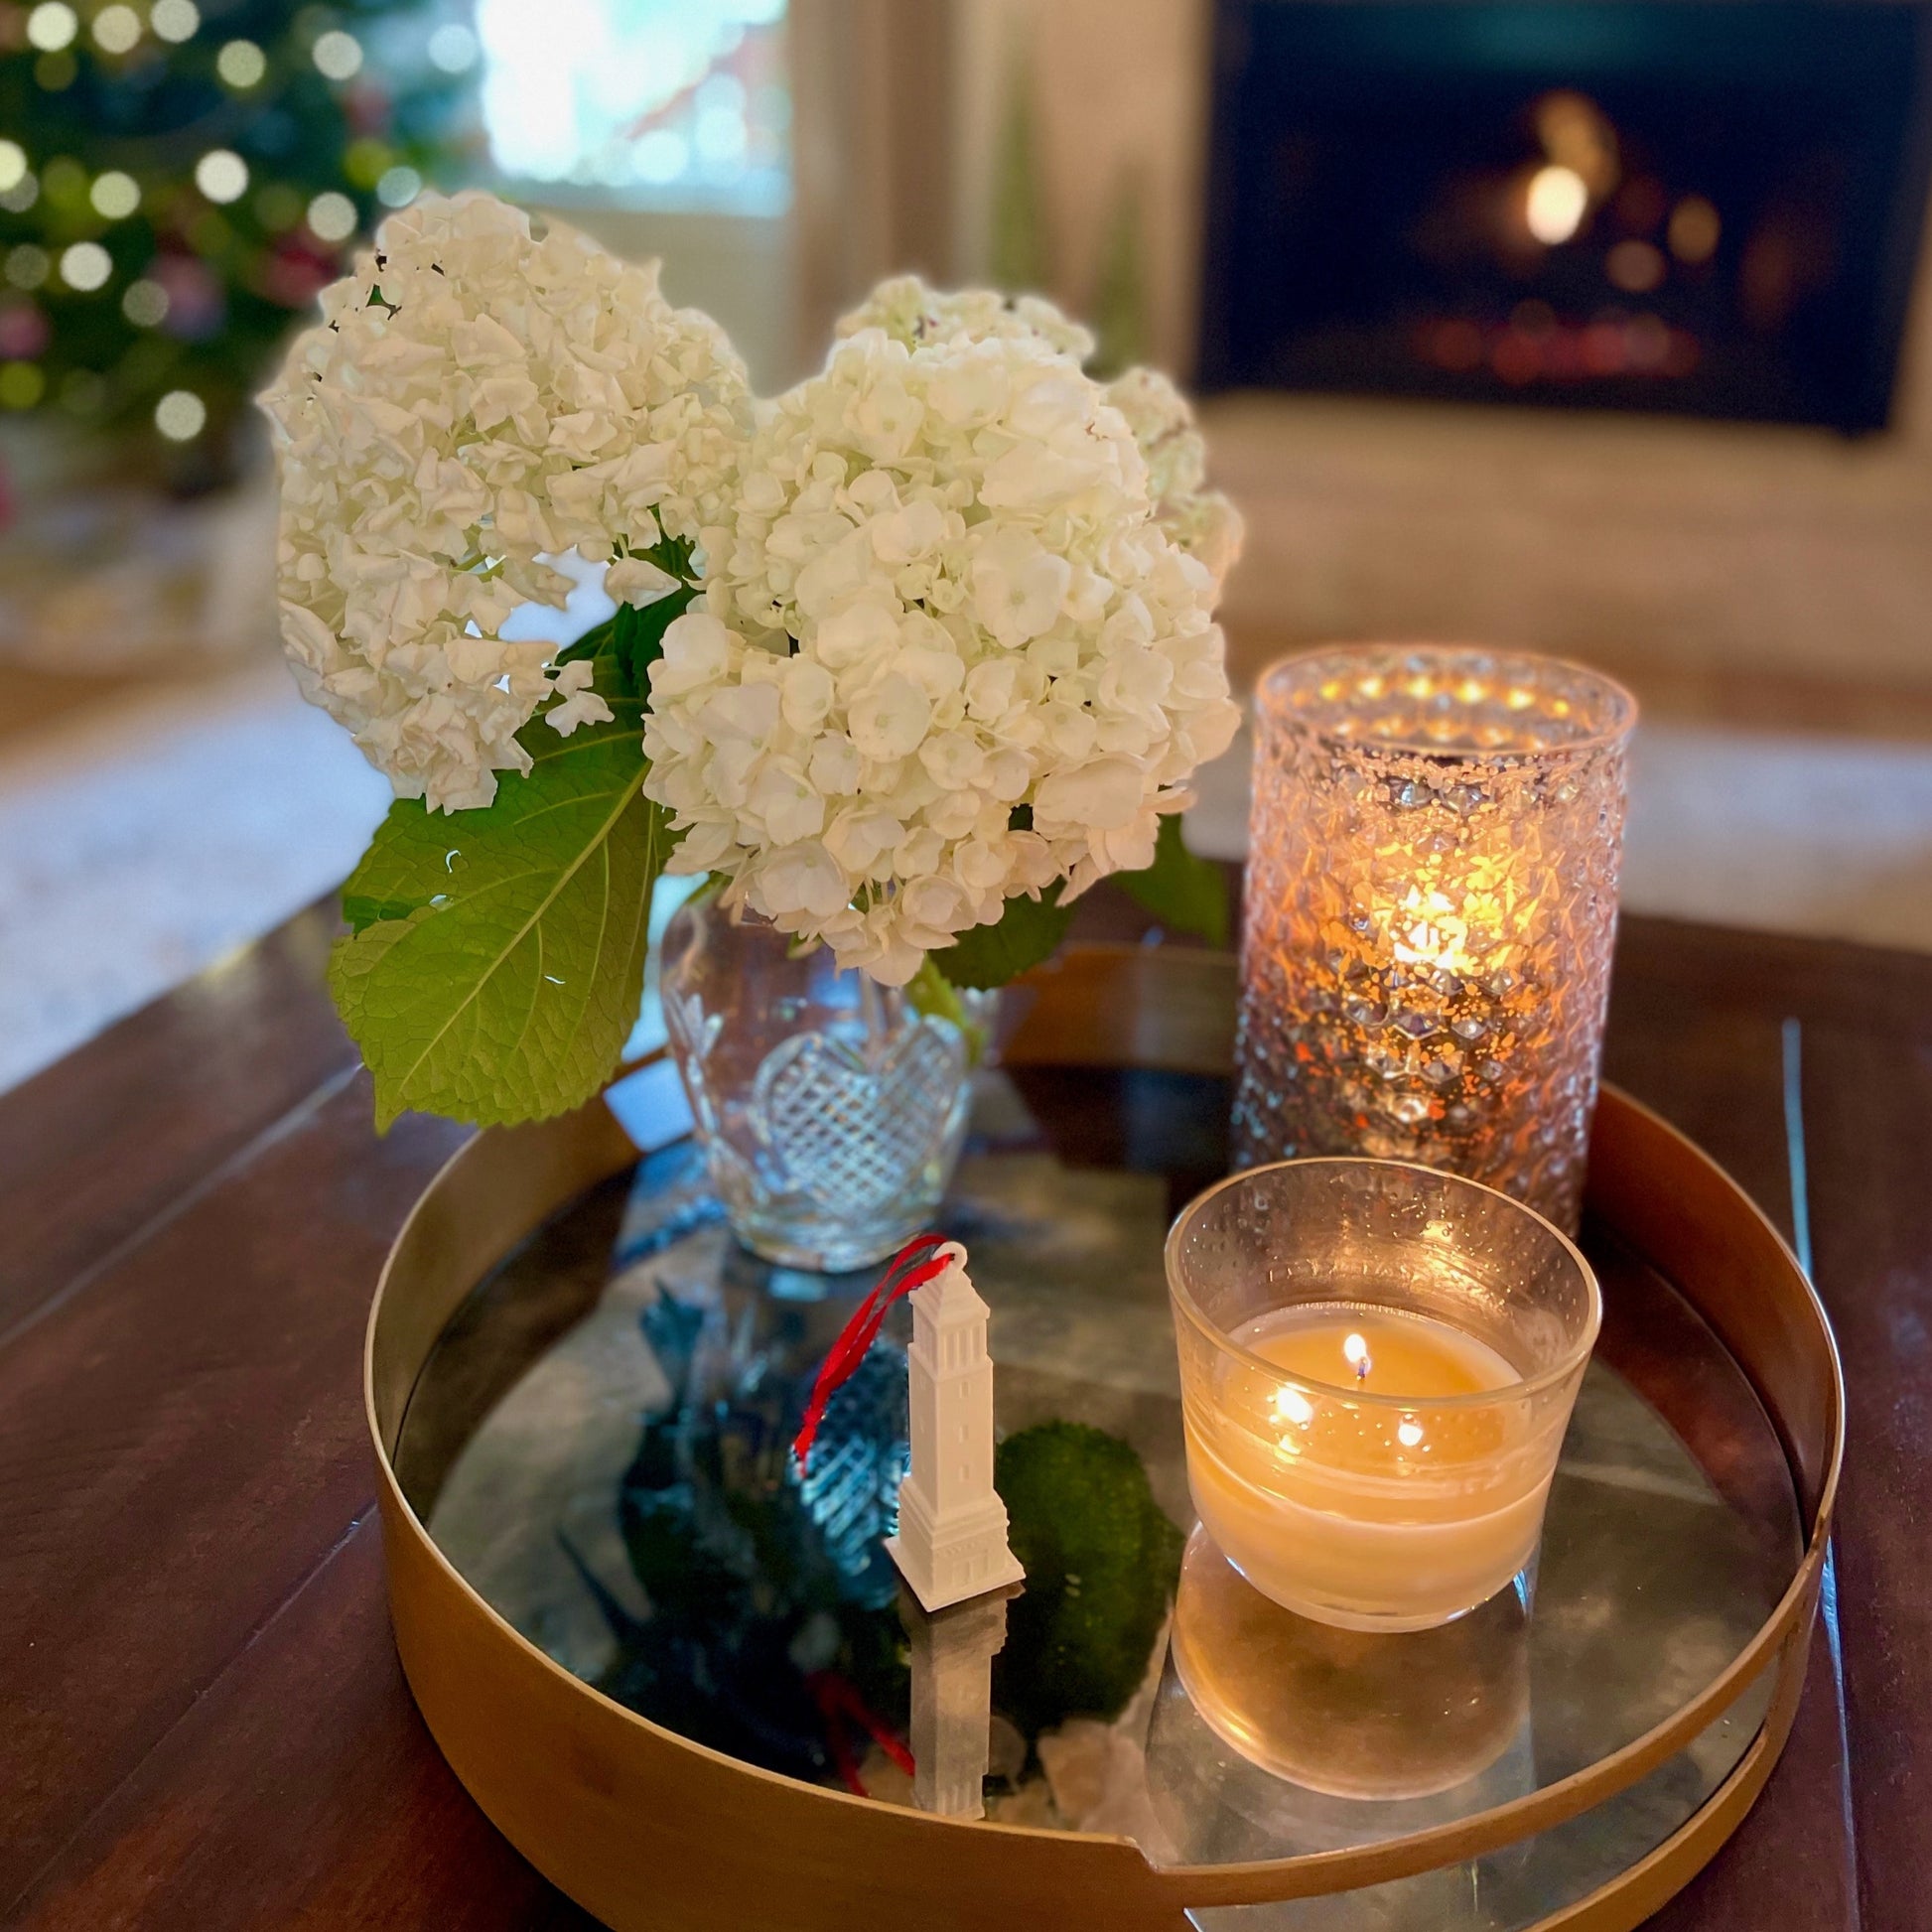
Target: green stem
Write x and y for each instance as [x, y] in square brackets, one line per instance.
[930, 992]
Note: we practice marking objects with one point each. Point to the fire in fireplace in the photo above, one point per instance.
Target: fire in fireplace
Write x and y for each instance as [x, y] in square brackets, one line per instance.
[1710, 206]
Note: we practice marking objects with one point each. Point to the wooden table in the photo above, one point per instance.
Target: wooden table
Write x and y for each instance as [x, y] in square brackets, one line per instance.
[202, 1723]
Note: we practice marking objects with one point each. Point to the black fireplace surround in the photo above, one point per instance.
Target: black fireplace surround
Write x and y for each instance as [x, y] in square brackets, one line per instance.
[1705, 207]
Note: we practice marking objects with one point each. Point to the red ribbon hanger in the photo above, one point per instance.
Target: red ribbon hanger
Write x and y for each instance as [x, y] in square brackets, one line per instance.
[912, 1267]
[838, 1700]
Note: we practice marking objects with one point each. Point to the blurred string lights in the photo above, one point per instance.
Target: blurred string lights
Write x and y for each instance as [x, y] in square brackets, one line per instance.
[656, 102]
[174, 187]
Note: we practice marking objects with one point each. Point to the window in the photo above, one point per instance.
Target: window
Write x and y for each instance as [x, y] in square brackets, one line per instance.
[644, 103]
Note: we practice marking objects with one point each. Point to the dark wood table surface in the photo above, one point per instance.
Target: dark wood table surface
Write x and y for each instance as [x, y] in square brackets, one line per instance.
[202, 1722]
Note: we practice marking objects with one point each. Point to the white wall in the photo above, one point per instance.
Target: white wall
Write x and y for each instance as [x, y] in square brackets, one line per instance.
[1119, 85]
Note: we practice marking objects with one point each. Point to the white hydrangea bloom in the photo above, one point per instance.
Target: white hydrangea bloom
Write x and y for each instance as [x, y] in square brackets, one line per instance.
[917, 316]
[1202, 520]
[945, 597]
[480, 396]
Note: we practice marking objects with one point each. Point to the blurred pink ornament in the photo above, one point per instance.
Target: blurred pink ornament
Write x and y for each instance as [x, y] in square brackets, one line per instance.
[293, 275]
[24, 331]
[197, 306]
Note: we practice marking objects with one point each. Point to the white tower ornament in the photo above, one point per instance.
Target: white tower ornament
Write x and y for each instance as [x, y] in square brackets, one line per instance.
[952, 1526]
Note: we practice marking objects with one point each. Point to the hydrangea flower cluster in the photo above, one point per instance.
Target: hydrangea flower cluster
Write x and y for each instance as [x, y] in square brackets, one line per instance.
[954, 640]
[911, 313]
[480, 396]
[1202, 520]
[947, 653]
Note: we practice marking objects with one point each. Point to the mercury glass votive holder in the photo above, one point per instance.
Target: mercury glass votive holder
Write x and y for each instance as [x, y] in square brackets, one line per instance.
[1430, 906]
[1378, 1362]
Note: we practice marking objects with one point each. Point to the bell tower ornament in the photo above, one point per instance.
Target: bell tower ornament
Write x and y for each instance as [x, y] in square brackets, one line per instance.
[952, 1526]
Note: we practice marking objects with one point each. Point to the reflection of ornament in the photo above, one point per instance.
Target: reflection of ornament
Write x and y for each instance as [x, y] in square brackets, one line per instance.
[952, 1701]
[952, 1526]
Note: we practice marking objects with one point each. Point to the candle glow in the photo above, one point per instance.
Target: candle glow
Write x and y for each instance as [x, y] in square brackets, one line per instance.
[1431, 900]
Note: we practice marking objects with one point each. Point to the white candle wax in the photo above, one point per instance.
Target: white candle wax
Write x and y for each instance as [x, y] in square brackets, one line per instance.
[1371, 1484]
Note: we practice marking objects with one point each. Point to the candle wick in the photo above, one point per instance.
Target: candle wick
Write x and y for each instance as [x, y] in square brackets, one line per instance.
[1361, 1369]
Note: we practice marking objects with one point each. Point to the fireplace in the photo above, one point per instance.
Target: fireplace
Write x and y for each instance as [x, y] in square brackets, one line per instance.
[1703, 206]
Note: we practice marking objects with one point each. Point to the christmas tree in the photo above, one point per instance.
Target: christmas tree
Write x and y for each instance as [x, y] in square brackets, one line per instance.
[177, 182]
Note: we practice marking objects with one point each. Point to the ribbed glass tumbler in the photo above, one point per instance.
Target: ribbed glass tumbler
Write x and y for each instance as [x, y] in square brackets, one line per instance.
[1430, 906]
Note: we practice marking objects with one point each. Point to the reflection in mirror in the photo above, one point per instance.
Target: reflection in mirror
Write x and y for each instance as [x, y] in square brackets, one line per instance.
[1336, 1732]
[601, 1446]
[952, 1698]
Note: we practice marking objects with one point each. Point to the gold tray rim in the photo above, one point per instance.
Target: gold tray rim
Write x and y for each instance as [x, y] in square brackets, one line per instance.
[1103, 1006]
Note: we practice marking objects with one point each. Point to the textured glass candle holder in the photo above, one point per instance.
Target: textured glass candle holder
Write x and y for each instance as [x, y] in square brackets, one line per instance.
[1430, 906]
[1364, 1502]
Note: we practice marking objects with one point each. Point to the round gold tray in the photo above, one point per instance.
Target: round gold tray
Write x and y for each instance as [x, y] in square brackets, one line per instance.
[649, 1830]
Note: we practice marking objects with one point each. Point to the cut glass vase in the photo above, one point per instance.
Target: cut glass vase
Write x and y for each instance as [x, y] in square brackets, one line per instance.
[832, 1110]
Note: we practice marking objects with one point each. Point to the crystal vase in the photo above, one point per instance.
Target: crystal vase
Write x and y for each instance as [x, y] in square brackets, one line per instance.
[831, 1109]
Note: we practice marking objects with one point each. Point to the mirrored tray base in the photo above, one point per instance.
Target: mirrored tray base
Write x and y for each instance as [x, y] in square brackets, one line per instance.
[582, 1406]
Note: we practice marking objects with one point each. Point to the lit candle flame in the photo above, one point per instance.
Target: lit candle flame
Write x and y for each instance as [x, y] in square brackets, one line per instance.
[1356, 1351]
[1431, 931]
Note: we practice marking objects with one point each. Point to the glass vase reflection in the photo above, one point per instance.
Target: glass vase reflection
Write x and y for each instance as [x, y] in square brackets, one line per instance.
[832, 1110]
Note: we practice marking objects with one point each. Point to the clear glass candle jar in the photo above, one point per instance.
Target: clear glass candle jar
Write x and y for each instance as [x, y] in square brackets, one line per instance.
[1431, 904]
[1404, 1483]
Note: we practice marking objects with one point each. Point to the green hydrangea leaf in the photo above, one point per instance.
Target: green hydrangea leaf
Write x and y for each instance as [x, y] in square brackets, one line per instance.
[1184, 891]
[629, 642]
[496, 957]
[1026, 932]
[600, 640]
